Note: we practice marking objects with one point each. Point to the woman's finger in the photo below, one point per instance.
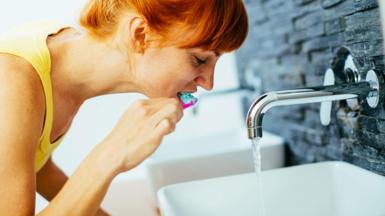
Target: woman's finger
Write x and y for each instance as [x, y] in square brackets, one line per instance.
[173, 112]
[164, 127]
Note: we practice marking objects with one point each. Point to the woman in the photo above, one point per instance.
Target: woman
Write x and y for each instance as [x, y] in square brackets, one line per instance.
[155, 47]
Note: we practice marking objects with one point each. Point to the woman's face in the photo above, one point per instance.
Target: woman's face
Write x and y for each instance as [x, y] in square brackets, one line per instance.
[163, 72]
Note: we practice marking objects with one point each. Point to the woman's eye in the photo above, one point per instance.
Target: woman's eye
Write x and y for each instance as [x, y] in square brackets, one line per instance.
[200, 61]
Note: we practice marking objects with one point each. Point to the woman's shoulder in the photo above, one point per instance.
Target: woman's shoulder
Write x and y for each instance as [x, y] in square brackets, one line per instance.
[22, 116]
[20, 81]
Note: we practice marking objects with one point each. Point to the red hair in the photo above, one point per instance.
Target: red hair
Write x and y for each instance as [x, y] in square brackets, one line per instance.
[219, 25]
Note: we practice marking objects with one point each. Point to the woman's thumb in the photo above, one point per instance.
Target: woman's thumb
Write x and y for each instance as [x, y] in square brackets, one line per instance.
[164, 127]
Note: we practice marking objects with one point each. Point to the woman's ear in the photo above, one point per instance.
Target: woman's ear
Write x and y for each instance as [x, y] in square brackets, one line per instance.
[138, 34]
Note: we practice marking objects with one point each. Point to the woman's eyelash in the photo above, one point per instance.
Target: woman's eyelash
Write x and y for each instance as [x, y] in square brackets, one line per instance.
[200, 61]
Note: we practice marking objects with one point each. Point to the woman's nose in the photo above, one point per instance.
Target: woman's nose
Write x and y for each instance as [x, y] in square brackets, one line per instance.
[206, 81]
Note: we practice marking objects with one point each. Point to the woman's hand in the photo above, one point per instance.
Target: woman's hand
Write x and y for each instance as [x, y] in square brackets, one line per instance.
[101, 212]
[141, 129]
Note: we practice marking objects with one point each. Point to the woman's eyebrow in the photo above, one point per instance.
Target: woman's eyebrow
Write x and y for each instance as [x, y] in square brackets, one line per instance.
[211, 52]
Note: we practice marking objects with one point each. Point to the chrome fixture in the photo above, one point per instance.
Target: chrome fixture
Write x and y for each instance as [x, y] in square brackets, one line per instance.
[353, 88]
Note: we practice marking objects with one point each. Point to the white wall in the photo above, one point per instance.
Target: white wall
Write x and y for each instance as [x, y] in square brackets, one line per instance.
[20, 11]
[98, 116]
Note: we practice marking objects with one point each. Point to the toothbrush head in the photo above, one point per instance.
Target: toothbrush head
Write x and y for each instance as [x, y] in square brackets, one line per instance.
[187, 99]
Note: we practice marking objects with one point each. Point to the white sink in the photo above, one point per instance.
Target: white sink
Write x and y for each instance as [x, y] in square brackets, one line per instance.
[219, 154]
[320, 189]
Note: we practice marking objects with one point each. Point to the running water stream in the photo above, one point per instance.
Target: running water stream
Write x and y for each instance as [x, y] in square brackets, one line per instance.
[256, 148]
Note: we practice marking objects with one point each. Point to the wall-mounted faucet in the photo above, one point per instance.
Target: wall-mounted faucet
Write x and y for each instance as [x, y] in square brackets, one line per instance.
[351, 89]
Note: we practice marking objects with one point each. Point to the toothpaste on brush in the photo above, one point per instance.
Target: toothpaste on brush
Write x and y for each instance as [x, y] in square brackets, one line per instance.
[187, 99]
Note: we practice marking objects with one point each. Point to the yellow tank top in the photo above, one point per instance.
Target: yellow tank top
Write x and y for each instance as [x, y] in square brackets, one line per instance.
[30, 42]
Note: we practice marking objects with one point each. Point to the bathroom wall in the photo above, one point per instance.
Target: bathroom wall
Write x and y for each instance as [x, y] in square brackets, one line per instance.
[290, 45]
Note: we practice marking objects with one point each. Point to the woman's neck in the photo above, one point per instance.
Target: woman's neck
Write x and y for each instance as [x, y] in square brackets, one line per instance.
[83, 67]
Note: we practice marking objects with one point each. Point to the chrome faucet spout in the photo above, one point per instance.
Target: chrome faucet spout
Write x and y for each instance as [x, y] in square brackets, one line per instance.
[301, 96]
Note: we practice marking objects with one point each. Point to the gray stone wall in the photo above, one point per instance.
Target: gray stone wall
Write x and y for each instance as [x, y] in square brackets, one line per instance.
[290, 45]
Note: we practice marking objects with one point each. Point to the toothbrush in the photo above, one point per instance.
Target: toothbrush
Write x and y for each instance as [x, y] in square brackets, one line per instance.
[187, 99]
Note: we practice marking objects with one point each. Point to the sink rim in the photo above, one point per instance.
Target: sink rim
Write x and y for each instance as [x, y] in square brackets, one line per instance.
[168, 194]
[334, 164]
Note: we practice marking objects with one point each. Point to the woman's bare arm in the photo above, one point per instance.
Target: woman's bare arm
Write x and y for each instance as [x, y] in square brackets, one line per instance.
[21, 114]
[50, 179]
[136, 136]
[83, 192]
